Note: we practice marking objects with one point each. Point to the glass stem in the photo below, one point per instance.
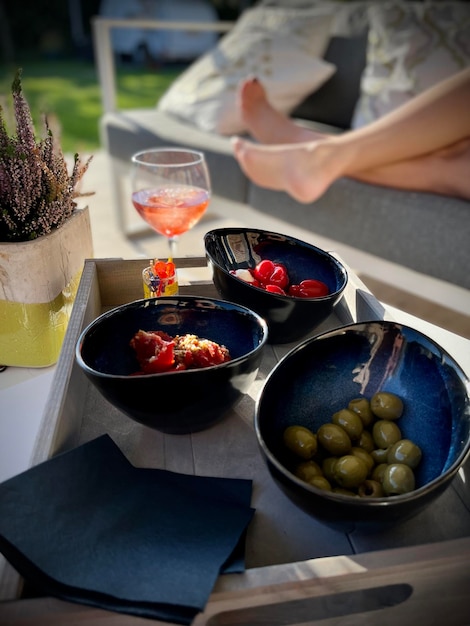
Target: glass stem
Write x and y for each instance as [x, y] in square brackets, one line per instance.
[173, 243]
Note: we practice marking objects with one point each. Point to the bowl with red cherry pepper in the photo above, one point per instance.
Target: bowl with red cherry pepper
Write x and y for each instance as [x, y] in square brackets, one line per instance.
[177, 364]
[292, 284]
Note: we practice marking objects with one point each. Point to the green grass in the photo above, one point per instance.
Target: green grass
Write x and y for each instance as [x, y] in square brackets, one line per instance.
[68, 92]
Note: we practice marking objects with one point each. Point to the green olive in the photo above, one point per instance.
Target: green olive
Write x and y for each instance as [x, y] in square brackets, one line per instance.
[360, 452]
[370, 489]
[379, 455]
[366, 442]
[350, 471]
[398, 478]
[320, 482]
[405, 451]
[334, 439]
[301, 441]
[308, 469]
[365, 456]
[385, 433]
[328, 467]
[350, 421]
[361, 406]
[378, 472]
[386, 405]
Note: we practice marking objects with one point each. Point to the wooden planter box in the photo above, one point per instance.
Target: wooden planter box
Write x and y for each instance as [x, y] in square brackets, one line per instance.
[38, 283]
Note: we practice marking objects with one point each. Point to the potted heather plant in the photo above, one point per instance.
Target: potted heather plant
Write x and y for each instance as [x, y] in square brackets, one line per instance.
[44, 239]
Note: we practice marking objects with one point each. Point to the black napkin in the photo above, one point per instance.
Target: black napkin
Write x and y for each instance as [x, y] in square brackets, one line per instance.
[89, 527]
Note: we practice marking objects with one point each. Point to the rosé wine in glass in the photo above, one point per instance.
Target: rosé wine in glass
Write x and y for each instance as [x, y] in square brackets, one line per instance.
[171, 211]
[170, 190]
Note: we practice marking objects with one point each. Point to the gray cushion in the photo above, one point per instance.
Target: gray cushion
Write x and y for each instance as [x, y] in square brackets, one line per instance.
[334, 102]
[426, 232]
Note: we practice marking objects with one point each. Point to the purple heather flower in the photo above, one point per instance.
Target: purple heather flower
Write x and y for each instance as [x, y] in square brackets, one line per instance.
[36, 191]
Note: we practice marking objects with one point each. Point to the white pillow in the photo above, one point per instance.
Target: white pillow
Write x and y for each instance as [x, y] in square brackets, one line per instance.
[349, 18]
[280, 46]
[412, 46]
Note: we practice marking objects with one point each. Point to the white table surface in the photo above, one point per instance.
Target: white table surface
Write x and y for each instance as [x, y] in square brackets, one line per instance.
[23, 396]
[24, 393]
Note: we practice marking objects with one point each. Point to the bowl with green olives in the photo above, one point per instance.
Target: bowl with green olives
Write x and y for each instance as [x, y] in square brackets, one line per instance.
[368, 423]
[292, 284]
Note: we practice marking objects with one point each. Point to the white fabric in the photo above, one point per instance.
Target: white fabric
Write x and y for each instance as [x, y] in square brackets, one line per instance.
[349, 18]
[412, 46]
[282, 47]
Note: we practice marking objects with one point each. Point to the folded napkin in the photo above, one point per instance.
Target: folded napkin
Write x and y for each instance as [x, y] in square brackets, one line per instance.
[89, 527]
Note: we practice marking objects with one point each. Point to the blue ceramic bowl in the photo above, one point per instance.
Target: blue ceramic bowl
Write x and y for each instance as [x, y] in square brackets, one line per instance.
[179, 401]
[322, 374]
[288, 318]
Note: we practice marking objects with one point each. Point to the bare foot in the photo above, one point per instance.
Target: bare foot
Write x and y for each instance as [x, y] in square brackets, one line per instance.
[264, 122]
[303, 170]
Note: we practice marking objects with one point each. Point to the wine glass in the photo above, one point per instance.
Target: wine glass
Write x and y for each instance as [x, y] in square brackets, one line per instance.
[170, 190]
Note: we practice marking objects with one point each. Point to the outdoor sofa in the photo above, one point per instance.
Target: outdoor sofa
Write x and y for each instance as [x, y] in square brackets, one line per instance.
[423, 232]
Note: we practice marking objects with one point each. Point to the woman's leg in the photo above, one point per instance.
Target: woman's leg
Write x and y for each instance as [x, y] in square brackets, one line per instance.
[443, 171]
[435, 120]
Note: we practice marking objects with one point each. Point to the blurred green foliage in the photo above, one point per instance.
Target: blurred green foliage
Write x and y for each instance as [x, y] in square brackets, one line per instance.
[68, 92]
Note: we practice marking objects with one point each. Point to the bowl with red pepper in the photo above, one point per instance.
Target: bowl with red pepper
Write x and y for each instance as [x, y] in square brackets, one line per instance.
[177, 364]
[292, 284]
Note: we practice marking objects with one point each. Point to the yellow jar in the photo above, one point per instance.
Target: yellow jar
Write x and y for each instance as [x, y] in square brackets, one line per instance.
[155, 286]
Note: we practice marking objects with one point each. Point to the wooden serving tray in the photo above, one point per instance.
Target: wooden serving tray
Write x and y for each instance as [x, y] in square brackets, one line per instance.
[299, 571]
